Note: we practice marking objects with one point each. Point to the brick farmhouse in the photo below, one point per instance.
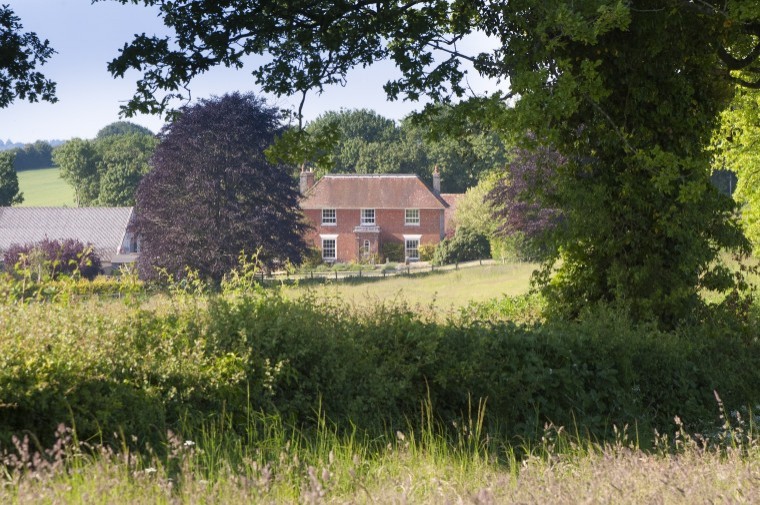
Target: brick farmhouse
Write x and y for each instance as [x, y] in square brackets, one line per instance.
[354, 216]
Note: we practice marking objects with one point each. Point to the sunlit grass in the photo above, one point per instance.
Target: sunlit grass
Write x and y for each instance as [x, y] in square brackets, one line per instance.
[276, 464]
[443, 290]
[44, 188]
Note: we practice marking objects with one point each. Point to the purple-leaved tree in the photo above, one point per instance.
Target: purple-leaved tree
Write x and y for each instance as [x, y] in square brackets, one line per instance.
[213, 194]
[525, 199]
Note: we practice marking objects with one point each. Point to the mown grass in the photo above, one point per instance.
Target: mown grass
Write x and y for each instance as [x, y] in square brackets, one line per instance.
[44, 187]
[444, 291]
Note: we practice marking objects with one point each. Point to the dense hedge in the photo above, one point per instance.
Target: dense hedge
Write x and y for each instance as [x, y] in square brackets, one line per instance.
[113, 367]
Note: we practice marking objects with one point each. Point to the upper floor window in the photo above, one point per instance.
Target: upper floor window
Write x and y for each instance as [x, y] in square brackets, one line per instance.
[412, 217]
[329, 217]
[368, 216]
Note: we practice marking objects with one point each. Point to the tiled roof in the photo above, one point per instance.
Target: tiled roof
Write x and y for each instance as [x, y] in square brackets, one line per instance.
[451, 199]
[386, 191]
[103, 227]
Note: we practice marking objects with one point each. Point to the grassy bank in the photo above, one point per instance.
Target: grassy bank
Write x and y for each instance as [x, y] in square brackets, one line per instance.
[44, 188]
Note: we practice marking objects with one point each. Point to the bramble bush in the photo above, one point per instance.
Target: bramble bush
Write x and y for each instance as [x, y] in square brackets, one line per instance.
[122, 368]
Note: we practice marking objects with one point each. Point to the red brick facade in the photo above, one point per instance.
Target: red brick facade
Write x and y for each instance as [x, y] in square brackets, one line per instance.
[344, 197]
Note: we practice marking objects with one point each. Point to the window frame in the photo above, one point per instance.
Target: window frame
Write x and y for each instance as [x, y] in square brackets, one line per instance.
[334, 221]
[363, 217]
[334, 240]
[415, 221]
[412, 238]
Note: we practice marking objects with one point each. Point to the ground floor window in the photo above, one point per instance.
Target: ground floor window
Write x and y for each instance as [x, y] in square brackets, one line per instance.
[329, 249]
[412, 248]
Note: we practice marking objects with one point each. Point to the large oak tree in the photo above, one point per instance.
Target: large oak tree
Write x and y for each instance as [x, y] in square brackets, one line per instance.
[212, 193]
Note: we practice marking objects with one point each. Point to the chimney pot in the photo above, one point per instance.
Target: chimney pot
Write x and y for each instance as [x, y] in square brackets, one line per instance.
[436, 181]
[307, 180]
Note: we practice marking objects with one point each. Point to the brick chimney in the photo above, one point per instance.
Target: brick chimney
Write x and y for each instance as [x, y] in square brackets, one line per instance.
[307, 180]
[436, 181]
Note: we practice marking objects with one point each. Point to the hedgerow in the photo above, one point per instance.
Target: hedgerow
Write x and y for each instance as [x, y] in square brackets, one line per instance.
[112, 367]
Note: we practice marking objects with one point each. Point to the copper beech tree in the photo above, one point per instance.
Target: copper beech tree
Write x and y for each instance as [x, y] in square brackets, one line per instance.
[212, 194]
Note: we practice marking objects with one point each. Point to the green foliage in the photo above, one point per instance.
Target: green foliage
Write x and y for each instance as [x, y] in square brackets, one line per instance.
[629, 92]
[465, 245]
[123, 161]
[312, 258]
[393, 251]
[9, 192]
[199, 357]
[427, 251]
[106, 171]
[736, 145]
[33, 156]
[78, 160]
[122, 128]
[22, 54]
[362, 141]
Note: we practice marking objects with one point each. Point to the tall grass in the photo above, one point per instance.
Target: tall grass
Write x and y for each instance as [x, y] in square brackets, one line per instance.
[274, 463]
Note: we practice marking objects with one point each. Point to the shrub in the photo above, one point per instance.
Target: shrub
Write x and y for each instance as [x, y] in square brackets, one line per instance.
[312, 258]
[465, 245]
[130, 370]
[427, 251]
[393, 251]
[51, 258]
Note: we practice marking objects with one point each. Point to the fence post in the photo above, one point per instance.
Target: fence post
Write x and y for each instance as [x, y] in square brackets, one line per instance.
[336, 275]
[456, 265]
[481, 262]
[408, 270]
[360, 273]
[311, 274]
[383, 273]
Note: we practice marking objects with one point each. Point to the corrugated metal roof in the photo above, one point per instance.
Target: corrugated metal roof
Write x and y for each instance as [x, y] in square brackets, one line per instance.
[103, 227]
[376, 191]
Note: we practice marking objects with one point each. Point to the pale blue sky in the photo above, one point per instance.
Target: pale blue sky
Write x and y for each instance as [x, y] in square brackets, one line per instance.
[86, 36]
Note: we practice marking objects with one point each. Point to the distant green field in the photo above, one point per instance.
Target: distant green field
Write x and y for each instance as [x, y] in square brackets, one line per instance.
[44, 187]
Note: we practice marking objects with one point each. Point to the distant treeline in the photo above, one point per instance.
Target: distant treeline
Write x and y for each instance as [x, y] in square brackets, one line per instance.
[28, 156]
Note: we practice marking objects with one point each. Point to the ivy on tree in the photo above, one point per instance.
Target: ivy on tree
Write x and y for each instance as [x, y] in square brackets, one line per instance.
[20, 55]
[629, 92]
[213, 194]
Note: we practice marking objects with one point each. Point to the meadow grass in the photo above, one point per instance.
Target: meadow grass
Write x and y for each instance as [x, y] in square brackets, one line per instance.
[443, 291]
[44, 187]
[275, 464]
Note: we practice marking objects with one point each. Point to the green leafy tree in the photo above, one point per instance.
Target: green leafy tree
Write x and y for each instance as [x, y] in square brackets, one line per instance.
[629, 92]
[78, 160]
[368, 143]
[106, 171]
[738, 149]
[123, 160]
[36, 155]
[20, 55]
[9, 190]
[213, 194]
[122, 128]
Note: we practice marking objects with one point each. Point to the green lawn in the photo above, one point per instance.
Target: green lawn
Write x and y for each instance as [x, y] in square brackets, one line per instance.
[44, 187]
[445, 290]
